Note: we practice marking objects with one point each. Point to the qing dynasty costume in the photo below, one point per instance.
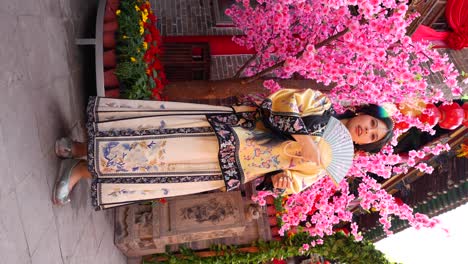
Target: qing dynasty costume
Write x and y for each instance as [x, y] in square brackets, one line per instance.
[142, 150]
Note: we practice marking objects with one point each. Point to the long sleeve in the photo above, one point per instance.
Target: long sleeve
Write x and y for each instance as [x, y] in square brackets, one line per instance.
[300, 180]
[302, 173]
[284, 109]
[308, 173]
[299, 102]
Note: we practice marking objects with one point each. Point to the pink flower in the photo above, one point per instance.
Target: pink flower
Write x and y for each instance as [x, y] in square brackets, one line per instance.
[271, 85]
[457, 91]
[374, 62]
[352, 80]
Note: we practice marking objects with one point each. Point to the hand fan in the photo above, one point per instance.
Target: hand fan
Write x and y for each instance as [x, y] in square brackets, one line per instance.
[337, 135]
[339, 139]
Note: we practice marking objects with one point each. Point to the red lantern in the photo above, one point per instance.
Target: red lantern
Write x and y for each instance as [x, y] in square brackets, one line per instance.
[432, 116]
[451, 116]
[403, 126]
[465, 110]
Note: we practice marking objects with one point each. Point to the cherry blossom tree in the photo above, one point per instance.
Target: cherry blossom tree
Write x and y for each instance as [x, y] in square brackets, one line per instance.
[360, 48]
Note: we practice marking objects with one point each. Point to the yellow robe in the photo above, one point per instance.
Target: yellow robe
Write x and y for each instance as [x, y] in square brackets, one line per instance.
[257, 160]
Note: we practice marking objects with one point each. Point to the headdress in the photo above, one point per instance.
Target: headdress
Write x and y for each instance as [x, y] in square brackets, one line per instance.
[388, 110]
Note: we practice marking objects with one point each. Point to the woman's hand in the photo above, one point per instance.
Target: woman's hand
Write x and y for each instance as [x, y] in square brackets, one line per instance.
[310, 150]
[281, 181]
[310, 154]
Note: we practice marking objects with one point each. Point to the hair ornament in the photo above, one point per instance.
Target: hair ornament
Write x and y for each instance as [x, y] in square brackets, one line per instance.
[389, 110]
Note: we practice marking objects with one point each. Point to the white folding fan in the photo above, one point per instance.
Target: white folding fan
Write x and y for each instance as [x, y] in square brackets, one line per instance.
[337, 135]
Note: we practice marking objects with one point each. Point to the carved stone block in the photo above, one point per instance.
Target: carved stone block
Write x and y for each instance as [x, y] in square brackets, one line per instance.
[146, 229]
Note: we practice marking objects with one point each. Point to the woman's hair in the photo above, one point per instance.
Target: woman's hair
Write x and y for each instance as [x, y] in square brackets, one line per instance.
[373, 110]
[377, 112]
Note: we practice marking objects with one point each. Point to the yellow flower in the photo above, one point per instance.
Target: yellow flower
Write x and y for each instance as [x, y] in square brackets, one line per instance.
[137, 8]
[118, 12]
[132, 59]
[125, 37]
[145, 45]
[142, 30]
[463, 151]
[144, 15]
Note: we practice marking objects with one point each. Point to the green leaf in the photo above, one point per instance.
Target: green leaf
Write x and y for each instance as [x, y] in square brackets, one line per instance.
[152, 84]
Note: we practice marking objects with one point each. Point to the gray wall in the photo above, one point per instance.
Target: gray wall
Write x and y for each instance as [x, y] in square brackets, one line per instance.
[195, 18]
[188, 18]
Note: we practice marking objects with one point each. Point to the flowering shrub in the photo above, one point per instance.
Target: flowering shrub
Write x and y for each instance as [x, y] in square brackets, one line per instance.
[139, 69]
[360, 48]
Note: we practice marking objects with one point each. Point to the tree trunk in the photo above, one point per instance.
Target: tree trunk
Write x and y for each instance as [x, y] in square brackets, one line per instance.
[205, 90]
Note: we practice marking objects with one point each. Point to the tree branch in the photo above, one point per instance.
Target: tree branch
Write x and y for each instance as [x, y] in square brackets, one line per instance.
[246, 64]
[239, 72]
[280, 64]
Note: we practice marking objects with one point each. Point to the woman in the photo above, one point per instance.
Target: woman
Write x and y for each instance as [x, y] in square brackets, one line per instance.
[143, 150]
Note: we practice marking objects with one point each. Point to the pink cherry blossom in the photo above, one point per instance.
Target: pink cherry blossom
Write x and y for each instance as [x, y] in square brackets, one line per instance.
[373, 62]
[271, 85]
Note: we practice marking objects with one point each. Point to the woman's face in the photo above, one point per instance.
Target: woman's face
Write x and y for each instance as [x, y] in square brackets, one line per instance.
[366, 129]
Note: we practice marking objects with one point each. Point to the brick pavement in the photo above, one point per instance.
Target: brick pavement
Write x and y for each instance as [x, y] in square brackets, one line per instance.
[43, 94]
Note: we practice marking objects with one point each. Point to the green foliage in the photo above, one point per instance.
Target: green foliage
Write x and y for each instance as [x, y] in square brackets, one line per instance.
[131, 69]
[337, 247]
[278, 203]
[342, 248]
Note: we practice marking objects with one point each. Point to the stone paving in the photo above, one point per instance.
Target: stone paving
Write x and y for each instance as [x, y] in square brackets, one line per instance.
[44, 82]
